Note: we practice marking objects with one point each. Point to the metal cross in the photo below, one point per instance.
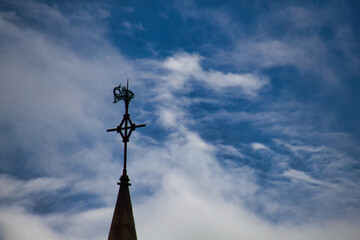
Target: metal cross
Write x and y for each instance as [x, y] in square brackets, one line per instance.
[126, 127]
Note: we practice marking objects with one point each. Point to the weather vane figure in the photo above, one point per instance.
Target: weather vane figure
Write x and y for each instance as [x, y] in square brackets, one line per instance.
[123, 93]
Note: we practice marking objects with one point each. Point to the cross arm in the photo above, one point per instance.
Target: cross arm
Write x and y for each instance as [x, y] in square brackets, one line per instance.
[132, 127]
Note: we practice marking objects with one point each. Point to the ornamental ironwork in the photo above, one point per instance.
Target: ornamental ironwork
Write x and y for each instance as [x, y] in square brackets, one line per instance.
[122, 93]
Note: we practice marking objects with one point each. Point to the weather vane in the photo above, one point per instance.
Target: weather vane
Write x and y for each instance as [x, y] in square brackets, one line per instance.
[126, 126]
[123, 93]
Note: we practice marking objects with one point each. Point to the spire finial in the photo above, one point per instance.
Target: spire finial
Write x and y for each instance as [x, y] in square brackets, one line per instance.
[126, 126]
[123, 93]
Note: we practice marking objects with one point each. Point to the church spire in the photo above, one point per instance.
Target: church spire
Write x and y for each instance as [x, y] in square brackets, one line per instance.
[123, 224]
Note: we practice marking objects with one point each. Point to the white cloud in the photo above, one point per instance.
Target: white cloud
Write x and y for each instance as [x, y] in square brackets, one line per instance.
[128, 28]
[296, 175]
[173, 77]
[230, 150]
[184, 67]
[299, 43]
[18, 224]
[188, 215]
[184, 63]
[55, 102]
[296, 148]
[11, 188]
[258, 146]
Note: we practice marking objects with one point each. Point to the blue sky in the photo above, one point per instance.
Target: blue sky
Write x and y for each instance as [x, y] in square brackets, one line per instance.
[251, 110]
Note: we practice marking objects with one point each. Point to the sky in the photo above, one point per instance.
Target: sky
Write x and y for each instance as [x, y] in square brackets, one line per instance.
[251, 107]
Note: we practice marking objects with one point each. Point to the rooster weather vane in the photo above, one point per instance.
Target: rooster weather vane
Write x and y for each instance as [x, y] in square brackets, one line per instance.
[123, 93]
[126, 126]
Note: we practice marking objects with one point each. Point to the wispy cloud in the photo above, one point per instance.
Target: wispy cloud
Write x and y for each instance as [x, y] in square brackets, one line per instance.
[56, 105]
[128, 28]
[287, 35]
[301, 176]
[183, 67]
[13, 189]
[258, 146]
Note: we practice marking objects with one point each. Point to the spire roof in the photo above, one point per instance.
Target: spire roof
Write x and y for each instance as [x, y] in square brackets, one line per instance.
[123, 224]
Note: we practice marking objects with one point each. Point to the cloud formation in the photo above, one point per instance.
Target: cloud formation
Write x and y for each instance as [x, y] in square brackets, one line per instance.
[244, 169]
[184, 67]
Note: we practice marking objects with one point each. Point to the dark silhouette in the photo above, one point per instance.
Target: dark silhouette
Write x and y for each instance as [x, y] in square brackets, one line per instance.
[123, 224]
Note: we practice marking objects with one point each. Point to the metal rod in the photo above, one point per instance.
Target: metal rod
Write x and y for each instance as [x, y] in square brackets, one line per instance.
[123, 128]
[126, 133]
[141, 125]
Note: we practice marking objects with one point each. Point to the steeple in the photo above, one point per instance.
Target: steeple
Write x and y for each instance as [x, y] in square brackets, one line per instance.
[123, 224]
